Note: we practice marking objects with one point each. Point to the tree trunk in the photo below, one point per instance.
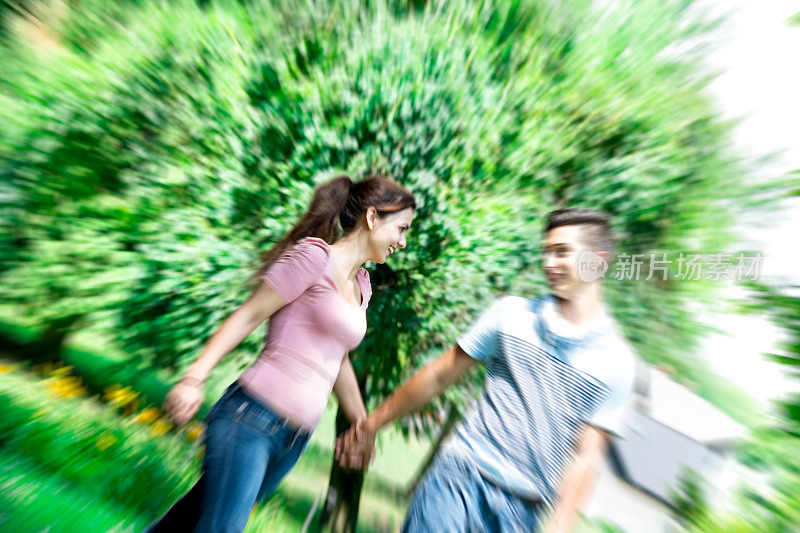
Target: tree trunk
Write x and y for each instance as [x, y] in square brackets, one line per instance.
[340, 511]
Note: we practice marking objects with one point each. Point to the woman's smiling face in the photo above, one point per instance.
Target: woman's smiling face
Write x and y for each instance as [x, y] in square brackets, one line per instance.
[388, 233]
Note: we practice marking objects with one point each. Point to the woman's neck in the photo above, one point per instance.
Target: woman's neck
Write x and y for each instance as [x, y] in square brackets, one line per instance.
[348, 254]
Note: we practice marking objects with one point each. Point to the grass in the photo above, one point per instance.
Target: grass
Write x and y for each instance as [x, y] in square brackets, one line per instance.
[88, 444]
[134, 476]
[111, 473]
[36, 499]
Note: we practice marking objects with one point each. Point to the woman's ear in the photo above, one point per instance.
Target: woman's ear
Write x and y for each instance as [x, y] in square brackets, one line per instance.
[372, 217]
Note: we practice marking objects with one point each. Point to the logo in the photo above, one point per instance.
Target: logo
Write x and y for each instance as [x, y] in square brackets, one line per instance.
[591, 266]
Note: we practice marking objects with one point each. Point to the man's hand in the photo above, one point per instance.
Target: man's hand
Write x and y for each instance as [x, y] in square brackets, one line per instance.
[355, 448]
[552, 527]
[578, 481]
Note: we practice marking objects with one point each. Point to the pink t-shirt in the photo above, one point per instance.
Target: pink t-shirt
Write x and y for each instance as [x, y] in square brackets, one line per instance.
[308, 337]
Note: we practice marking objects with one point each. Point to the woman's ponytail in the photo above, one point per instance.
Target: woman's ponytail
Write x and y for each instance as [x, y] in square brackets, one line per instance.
[336, 207]
[320, 220]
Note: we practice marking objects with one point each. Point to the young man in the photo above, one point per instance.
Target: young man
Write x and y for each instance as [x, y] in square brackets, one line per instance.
[558, 379]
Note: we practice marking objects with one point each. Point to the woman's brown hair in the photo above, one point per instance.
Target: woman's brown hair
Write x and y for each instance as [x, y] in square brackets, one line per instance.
[336, 208]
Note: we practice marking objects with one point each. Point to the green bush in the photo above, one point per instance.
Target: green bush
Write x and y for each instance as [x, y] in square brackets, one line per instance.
[110, 458]
[195, 136]
[153, 150]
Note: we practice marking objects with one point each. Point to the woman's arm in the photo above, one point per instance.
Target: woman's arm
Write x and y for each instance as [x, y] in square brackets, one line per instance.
[185, 398]
[260, 306]
[347, 392]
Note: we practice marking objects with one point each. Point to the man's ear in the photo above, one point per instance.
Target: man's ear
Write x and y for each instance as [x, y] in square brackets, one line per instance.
[371, 217]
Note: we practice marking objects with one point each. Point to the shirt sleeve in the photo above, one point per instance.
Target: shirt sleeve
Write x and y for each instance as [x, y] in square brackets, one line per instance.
[480, 341]
[298, 268]
[612, 414]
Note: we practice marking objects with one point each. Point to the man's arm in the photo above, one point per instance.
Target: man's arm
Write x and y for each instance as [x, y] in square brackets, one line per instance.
[431, 381]
[579, 480]
[355, 447]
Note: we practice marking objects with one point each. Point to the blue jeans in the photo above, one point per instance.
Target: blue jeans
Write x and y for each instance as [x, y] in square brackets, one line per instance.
[454, 497]
[249, 450]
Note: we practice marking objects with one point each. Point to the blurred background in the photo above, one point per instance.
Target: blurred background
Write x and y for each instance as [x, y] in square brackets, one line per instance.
[151, 150]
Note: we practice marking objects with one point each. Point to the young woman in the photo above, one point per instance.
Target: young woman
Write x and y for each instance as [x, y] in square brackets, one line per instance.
[315, 295]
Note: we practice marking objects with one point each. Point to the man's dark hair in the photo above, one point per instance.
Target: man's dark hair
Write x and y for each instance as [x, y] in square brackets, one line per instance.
[595, 226]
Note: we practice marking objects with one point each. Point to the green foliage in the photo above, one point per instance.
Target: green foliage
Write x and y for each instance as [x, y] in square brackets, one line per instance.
[32, 427]
[599, 525]
[34, 499]
[689, 502]
[83, 268]
[772, 447]
[110, 472]
[147, 165]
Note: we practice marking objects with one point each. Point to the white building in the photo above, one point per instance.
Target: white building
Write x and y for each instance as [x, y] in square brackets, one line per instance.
[670, 429]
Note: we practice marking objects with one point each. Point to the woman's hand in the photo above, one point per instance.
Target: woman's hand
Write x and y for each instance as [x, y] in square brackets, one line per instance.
[184, 400]
[355, 449]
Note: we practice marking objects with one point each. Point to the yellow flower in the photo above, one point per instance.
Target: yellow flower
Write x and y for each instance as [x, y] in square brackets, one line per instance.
[147, 416]
[42, 368]
[123, 397]
[160, 427]
[195, 429]
[66, 387]
[108, 393]
[105, 440]
[6, 368]
[61, 370]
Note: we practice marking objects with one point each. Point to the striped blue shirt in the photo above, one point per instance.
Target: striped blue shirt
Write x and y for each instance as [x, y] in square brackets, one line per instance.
[545, 380]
